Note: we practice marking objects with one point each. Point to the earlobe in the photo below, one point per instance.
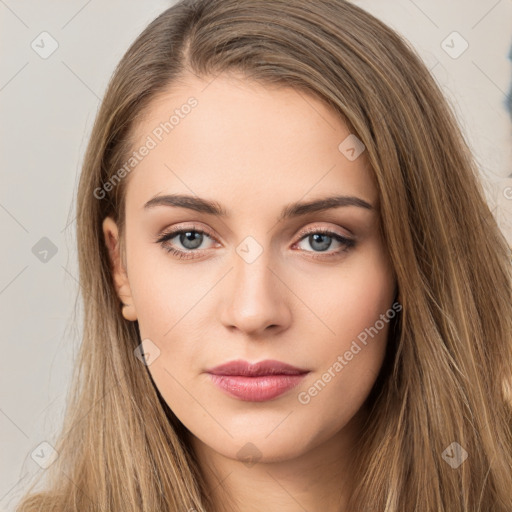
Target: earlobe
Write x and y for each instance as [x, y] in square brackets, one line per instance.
[119, 275]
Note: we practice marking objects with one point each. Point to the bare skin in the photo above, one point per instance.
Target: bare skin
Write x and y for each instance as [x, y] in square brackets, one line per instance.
[301, 300]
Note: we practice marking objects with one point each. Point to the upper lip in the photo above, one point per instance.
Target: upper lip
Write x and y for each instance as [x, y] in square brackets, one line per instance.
[246, 369]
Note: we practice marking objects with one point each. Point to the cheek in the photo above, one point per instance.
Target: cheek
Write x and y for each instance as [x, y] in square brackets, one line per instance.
[357, 309]
[347, 367]
[167, 307]
[349, 300]
[162, 293]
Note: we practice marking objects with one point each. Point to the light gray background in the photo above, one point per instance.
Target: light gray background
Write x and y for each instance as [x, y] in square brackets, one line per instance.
[47, 107]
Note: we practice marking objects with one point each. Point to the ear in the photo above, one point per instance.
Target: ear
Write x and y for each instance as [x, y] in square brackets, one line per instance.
[121, 283]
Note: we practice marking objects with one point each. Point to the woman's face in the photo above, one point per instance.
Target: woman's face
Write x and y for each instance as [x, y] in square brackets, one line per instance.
[276, 277]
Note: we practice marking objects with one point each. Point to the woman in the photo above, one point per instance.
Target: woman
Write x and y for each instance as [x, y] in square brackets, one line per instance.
[295, 295]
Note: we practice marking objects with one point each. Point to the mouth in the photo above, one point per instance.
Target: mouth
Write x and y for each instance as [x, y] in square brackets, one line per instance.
[258, 382]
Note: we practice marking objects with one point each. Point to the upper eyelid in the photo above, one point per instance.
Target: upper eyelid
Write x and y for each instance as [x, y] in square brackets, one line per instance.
[176, 231]
[166, 234]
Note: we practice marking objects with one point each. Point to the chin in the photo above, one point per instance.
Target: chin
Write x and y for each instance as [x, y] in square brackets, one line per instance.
[252, 446]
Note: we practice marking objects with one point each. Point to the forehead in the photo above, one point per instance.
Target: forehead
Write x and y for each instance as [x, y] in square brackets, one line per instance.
[234, 140]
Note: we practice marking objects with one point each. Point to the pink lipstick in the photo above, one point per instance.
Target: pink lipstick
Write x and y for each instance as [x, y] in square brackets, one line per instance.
[256, 382]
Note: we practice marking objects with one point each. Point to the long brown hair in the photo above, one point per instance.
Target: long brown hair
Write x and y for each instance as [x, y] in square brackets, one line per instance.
[449, 380]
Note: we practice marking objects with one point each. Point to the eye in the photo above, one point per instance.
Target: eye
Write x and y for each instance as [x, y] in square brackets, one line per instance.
[190, 238]
[193, 237]
[321, 240]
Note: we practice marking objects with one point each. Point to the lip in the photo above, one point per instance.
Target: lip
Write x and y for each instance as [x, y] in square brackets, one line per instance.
[256, 382]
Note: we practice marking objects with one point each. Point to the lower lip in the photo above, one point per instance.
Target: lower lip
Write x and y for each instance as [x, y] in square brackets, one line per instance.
[256, 389]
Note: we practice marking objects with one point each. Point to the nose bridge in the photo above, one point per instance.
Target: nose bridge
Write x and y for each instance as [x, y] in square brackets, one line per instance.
[252, 276]
[256, 298]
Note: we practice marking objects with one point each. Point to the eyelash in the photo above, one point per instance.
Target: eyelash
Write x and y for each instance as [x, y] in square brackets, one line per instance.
[348, 243]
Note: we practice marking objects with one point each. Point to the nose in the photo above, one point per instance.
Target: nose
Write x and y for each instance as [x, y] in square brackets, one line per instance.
[256, 298]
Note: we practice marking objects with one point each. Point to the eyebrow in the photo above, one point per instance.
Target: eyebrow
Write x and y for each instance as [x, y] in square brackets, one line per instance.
[292, 210]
